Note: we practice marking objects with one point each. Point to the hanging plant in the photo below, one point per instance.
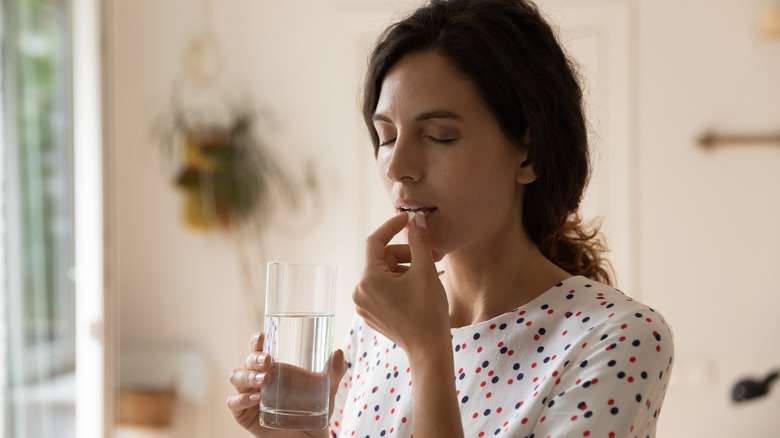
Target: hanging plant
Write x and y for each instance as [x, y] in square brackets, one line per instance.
[230, 180]
[228, 177]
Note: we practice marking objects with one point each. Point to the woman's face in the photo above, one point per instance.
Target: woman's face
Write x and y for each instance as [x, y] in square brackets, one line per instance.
[442, 152]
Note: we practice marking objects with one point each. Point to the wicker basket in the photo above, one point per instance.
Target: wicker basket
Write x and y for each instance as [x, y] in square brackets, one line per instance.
[146, 407]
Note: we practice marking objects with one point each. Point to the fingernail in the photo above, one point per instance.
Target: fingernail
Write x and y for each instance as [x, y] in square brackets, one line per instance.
[259, 377]
[419, 220]
[411, 215]
[255, 338]
[261, 358]
[254, 397]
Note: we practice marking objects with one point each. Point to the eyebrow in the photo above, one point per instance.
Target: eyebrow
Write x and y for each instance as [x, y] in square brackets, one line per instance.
[435, 114]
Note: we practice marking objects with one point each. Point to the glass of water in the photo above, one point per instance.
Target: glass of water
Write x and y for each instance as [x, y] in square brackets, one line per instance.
[298, 337]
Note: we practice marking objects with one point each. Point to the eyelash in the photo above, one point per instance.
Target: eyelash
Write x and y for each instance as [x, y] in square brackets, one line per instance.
[444, 141]
[441, 140]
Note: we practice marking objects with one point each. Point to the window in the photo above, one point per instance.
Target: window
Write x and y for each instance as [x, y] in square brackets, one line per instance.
[36, 226]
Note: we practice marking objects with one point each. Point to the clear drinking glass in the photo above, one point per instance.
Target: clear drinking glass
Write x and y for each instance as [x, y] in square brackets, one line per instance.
[298, 337]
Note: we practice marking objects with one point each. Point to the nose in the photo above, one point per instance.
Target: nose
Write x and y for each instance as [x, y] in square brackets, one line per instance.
[405, 161]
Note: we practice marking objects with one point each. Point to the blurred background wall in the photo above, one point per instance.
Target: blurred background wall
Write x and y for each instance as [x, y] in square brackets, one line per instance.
[704, 225]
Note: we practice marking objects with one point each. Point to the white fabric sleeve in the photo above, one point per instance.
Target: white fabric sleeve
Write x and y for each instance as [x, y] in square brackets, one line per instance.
[615, 386]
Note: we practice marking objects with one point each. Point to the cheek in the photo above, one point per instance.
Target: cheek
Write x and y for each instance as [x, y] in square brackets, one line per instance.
[486, 190]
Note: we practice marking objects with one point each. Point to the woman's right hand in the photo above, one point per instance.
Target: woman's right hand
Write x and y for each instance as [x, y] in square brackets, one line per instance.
[249, 380]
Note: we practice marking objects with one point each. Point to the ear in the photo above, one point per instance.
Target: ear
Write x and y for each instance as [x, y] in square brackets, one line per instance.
[525, 169]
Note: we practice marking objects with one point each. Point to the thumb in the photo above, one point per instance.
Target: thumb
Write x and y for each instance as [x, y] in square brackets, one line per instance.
[338, 367]
[420, 243]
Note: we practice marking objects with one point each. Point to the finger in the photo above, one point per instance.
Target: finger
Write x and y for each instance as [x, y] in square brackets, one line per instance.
[247, 380]
[237, 403]
[378, 240]
[420, 244]
[257, 361]
[256, 341]
[395, 254]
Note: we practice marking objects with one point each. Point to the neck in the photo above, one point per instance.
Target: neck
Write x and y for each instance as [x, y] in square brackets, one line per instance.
[501, 275]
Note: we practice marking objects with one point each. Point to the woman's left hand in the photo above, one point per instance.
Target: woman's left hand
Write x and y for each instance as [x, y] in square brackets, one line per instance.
[407, 304]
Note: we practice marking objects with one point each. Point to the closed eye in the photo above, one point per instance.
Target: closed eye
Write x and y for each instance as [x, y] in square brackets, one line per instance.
[387, 143]
[441, 140]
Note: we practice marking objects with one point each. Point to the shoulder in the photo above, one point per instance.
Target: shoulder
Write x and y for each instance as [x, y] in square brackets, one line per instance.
[623, 328]
[614, 377]
[611, 306]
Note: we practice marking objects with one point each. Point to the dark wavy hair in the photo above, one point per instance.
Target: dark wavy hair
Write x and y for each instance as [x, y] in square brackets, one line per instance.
[512, 56]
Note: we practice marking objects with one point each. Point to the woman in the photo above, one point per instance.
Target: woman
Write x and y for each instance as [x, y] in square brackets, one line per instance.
[476, 118]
